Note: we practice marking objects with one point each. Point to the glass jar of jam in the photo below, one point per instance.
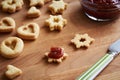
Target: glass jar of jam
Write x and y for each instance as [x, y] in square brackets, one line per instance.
[101, 10]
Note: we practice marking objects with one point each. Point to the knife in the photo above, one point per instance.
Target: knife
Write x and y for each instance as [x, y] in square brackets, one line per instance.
[91, 73]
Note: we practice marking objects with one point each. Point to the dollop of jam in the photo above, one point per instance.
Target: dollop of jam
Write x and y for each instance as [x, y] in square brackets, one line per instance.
[56, 53]
[102, 9]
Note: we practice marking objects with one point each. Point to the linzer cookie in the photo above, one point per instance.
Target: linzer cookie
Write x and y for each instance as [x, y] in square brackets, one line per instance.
[57, 6]
[56, 54]
[56, 22]
[33, 12]
[11, 47]
[11, 6]
[29, 31]
[82, 40]
[7, 24]
[12, 72]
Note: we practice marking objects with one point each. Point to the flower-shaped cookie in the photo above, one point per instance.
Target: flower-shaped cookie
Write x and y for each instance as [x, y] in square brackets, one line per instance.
[29, 31]
[57, 6]
[82, 40]
[12, 72]
[33, 12]
[56, 22]
[36, 3]
[7, 24]
[12, 6]
[11, 47]
[56, 54]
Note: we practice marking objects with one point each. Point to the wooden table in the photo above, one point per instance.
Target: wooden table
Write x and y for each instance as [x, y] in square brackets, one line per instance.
[35, 66]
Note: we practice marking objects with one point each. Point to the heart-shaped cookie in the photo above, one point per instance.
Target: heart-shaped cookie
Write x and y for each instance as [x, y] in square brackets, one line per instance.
[11, 47]
[29, 31]
[33, 12]
[7, 24]
[12, 72]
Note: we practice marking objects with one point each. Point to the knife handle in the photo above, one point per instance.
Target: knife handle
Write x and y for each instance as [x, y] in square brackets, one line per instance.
[91, 73]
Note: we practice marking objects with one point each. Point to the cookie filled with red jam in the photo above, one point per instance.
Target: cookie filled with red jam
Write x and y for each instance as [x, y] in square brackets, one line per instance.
[101, 9]
[56, 54]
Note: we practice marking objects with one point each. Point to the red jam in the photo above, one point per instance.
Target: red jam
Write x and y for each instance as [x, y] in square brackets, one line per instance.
[56, 53]
[101, 9]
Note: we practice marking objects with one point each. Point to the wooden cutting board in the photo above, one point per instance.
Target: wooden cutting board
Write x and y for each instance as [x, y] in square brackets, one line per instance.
[36, 67]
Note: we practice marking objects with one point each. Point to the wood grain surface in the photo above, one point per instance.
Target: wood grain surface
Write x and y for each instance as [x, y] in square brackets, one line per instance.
[36, 67]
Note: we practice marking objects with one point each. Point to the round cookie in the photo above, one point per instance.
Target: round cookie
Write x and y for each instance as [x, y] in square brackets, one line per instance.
[11, 47]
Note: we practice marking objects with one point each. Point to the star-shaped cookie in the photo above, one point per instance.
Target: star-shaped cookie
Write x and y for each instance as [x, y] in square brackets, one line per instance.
[56, 22]
[57, 6]
[82, 40]
[56, 54]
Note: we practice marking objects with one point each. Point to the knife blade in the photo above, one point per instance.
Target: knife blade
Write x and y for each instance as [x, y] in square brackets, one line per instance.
[91, 73]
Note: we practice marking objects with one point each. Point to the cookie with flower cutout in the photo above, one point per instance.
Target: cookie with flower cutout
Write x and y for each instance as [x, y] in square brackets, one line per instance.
[56, 54]
[12, 72]
[7, 24]
[11, 6]
[33, 12]
[29, 31]
[82, 40]
[57, 6]
[56, 22]
[11, 47]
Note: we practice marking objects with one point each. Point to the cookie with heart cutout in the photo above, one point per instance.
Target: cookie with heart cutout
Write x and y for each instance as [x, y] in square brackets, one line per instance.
[12, 72]
[29, 31]
[7, 24]
[11, 47]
